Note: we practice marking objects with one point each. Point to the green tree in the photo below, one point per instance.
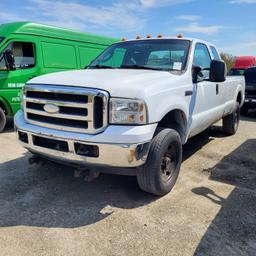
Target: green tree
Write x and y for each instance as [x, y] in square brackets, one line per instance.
[229, 60]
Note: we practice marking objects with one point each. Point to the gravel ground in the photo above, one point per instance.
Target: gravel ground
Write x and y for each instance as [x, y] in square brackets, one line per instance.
[44, 210]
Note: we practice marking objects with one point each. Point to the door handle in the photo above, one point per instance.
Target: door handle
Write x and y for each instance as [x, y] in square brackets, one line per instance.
[188, 93]
[217, 89]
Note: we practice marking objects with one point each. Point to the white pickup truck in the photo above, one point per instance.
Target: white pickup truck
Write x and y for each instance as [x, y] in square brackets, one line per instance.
[131, 109]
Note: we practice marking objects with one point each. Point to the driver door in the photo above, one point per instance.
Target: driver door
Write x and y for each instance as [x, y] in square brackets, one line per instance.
[207, 97]
[12, 81]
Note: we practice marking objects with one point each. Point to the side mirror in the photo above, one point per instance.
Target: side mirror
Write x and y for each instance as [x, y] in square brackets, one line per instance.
[10, 61]
[218, 71]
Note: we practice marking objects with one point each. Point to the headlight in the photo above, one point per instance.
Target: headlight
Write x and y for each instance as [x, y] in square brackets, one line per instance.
[127, 111]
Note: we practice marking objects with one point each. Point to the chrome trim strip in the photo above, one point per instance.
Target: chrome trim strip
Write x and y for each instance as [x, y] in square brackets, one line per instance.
[61, 89]
[58, 115]
[56, 127]
[88, 92]
[57, 102]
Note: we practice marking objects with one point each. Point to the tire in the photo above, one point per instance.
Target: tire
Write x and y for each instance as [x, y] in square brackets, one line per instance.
[2, 120]
[159, 174]
[231, 122]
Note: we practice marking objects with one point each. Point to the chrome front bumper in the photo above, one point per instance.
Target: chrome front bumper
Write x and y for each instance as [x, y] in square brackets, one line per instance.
[113, 154]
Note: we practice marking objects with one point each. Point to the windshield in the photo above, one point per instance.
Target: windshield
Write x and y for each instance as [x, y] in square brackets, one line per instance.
[236, 72]
[162, 54]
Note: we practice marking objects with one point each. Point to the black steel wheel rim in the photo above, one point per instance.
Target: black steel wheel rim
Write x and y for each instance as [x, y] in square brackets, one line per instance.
[169, 163]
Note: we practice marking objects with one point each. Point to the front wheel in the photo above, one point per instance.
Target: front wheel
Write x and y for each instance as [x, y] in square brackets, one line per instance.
[231, 122]
[2, 120]
[158, 176]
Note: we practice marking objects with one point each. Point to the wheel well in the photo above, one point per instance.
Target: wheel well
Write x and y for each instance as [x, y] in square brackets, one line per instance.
[6, 107]
[239, 98]
[3, 107]
[175, 119]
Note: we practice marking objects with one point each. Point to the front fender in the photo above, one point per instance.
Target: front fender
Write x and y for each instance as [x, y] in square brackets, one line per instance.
[158, 109]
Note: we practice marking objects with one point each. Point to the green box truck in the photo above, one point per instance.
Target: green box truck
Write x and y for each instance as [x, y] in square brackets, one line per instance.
[29, 49]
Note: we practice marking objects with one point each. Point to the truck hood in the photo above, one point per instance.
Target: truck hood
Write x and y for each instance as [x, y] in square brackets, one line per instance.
[118, 82]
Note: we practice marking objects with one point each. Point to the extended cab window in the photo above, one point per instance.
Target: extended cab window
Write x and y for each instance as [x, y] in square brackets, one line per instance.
[202, 59]
[215, 53]
[24, 55]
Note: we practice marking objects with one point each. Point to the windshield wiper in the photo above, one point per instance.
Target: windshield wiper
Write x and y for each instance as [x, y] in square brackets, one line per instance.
[141, 67]
[99, 66]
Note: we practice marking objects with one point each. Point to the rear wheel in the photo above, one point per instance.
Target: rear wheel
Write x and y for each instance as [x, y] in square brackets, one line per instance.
[158, 176]
[231, 122]
[2, 120]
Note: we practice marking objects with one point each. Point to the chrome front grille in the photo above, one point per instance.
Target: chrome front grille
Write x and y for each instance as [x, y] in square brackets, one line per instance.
[75, 109]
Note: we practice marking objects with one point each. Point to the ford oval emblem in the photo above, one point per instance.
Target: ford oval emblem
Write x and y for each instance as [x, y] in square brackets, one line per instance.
[52, 109]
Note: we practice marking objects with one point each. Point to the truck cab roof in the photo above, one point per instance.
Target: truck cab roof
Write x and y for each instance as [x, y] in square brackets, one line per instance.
[195, 40]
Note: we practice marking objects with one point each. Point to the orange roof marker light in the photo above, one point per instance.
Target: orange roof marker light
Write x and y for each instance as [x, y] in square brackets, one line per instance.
[123, 39]
[179, 36]
[138, 37]
[149, 36]
[159, 36]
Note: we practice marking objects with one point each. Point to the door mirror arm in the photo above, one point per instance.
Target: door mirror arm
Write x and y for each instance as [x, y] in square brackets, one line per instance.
[195, 73]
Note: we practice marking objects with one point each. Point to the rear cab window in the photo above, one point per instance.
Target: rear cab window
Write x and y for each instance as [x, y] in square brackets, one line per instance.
[173, 58]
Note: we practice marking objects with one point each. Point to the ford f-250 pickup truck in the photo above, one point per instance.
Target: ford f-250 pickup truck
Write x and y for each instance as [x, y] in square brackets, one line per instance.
[132, 109]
